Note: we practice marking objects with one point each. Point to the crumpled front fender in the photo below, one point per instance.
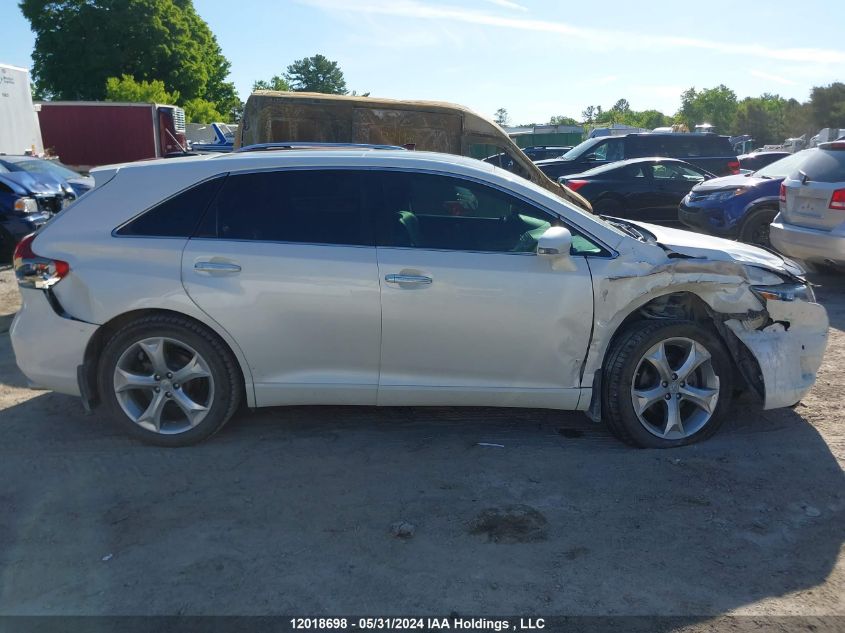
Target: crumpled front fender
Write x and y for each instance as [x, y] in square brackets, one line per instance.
[789, 351]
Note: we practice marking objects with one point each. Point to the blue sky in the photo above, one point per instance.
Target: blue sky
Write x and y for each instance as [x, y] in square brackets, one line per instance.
[536, 59]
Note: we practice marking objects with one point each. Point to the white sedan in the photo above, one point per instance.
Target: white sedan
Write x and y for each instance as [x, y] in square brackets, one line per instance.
[178, 290]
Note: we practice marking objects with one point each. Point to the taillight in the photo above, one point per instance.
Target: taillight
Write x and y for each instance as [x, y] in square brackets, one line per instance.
[782, 194]
[575, 185]
[837, 200]
[733, 167]
[33, 271]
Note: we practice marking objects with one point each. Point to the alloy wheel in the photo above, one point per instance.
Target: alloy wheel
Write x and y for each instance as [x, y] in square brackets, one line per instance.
[675, 389]
[163, 385]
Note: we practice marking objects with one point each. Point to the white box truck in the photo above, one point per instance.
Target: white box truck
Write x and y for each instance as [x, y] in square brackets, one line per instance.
[19, 130]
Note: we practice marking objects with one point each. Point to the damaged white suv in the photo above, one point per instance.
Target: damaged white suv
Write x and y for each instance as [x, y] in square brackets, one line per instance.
[177, 291]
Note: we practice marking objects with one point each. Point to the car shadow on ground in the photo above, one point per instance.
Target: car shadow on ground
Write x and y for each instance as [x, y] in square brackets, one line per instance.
[293, 510]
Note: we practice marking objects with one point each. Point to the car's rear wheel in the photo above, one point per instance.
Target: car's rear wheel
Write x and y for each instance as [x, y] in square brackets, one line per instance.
[666, 384]
[169, 381]
[755, 229]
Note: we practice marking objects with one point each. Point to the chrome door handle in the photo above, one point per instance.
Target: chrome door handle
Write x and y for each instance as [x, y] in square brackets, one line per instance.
[408, 279]
[217, 267]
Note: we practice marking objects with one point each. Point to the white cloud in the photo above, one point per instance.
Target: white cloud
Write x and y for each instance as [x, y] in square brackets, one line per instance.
[610, 39]
[770, 77]
[507, 4]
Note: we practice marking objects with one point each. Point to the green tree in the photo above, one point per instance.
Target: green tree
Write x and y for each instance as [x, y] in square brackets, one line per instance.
[316, 74]
[622, 106]
[201, 111]
[589, 114]
[716, 106]
[562, 120]
[79, 44]
[125, 88]
[501, 117]
[275, 82]
[827, 105]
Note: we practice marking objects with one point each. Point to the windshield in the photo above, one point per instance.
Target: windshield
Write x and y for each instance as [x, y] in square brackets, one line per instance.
[38, 166]
[783, 167]
[581, 148]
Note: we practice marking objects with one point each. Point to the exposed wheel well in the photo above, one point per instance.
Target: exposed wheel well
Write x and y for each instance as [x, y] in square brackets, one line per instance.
[108, 329]
[685, 306]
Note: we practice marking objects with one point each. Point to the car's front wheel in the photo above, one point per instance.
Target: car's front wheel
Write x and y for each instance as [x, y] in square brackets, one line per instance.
[666, 384]
[168, 380]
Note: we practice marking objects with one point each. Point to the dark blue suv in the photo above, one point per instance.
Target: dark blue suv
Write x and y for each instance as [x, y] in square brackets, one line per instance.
[739, 207]
[32, 190]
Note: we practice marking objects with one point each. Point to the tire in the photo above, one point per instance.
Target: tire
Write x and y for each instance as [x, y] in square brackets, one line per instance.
[627, 372]
[138, 378]
[7, 247]
[755, 228]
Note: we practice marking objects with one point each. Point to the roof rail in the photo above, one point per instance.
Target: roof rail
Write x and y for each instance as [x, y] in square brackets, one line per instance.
[259, 147]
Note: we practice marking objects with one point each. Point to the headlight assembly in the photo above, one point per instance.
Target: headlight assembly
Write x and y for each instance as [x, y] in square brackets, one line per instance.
[785, 292]
[717, 196]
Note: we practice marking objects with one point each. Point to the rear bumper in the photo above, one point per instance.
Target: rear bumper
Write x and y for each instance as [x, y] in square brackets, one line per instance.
[811, 245]
[49, 347]
[789, 351]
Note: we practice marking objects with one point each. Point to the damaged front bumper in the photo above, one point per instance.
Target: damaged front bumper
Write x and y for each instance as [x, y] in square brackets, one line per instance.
[788, 351]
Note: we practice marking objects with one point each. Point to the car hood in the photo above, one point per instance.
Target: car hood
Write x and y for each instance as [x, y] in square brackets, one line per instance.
[699, 246]
[728, 182]
[42, 184]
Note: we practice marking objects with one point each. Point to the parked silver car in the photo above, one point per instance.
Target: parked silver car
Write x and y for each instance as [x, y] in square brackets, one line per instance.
[177, 290]
[811, 222]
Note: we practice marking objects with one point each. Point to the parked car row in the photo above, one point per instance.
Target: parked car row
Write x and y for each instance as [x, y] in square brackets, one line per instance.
[710, 152]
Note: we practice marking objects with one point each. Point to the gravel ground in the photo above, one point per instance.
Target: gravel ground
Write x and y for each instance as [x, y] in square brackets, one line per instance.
[321, 510]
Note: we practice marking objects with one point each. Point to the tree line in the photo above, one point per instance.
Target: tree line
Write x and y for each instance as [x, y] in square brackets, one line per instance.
[769, 118]
[148, 50]
[163, 51]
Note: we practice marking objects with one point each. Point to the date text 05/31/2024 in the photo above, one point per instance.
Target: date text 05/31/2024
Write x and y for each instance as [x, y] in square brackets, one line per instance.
[425, 624]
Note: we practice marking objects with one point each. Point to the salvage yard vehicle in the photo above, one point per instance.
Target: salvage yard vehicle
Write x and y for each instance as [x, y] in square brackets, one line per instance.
[646, 189]
[175, 291]
[31, 191]
[739, 207]
[283, 117]
[85, 134]
[710, 152]
[811, 222]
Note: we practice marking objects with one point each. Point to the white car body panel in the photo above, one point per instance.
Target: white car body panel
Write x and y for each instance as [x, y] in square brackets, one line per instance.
[319, 324]
[306, 316]
[488, 323]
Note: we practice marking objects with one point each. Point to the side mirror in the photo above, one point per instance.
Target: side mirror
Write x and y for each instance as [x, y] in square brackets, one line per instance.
[555, 242]
[591, 157]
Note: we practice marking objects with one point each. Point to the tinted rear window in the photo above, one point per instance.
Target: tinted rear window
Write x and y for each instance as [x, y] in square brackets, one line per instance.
[680, 145]
[825, 165]
[300, 205]
[177, 216]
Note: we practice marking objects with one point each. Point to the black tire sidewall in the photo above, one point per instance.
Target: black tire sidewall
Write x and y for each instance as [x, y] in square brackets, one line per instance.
[623, 360]
[226, 392]
[754, 219]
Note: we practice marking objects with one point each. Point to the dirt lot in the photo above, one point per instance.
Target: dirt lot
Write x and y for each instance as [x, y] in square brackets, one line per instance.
[290, 510]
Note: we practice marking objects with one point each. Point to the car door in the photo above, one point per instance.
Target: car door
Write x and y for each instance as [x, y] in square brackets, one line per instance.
[672, 181]
[470, 314]
[285, 261]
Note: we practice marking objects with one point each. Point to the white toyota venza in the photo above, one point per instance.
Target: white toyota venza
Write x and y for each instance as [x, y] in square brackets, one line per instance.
[179, 290]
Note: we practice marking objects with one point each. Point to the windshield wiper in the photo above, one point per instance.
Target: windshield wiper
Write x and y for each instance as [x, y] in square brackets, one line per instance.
[626, 227]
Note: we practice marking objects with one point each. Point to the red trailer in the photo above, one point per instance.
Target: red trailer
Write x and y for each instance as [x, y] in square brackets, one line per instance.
[85, 134]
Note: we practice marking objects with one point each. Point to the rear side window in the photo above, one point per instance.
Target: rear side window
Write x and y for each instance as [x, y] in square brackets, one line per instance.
[823, 166]
[177, 216]
[306, 206]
